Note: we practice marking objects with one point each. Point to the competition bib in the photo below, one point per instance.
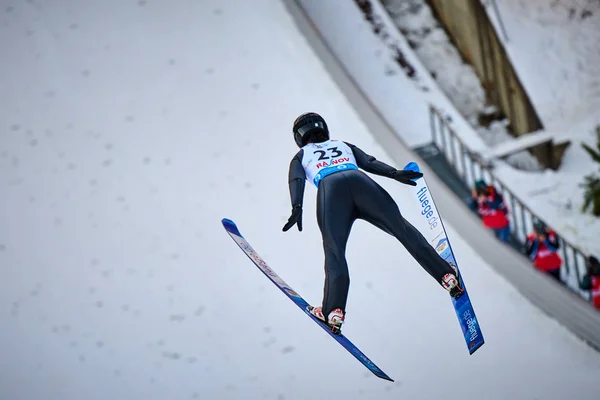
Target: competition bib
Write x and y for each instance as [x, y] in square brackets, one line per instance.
[326, 158]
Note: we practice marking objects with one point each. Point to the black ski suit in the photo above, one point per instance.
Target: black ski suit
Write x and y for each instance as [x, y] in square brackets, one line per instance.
[347, 195]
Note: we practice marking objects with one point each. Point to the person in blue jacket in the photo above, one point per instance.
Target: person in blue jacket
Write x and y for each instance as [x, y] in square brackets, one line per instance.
[344, 194]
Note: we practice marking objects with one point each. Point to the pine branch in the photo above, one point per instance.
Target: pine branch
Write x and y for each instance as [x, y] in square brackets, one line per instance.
[593, 153]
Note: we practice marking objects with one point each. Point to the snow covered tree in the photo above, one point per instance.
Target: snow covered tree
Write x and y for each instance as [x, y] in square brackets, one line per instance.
[591, 196]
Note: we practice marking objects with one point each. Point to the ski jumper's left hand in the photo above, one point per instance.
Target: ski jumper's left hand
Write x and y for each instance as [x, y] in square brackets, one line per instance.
[406, 176]
[374, 166]
[295, 218]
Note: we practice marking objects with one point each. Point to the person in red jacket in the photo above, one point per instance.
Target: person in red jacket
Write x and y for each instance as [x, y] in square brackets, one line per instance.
[542, 249]
[491, 208]
[591, 280]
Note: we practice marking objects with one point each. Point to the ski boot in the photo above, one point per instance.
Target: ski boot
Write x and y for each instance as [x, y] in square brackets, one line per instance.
[451, 283]
[335, 319]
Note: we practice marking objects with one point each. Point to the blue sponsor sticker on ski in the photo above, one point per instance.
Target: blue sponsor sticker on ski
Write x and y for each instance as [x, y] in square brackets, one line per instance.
[235, 234]
[436, 235]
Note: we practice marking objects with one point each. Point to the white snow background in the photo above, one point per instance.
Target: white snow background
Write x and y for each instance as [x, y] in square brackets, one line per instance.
[129, 130]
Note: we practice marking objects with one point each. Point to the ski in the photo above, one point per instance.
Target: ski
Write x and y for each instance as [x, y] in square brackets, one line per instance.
[436, 234]
[235, 234]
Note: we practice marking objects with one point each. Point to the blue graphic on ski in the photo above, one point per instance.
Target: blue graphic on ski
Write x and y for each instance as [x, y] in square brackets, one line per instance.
[235, 234]
[437, 237]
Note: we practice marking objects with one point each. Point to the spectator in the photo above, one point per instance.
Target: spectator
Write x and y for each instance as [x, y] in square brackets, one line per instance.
[541, 247]
[491, 208]
[591, 280]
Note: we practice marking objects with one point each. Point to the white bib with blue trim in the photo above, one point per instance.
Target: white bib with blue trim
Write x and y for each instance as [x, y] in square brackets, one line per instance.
[326, 158]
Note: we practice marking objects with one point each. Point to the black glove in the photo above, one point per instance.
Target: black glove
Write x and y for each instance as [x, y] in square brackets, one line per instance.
[296, 217]
[406, 176]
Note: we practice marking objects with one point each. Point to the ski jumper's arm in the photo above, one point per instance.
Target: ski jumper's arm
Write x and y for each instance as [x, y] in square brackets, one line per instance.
[370, 163]
[296, 180]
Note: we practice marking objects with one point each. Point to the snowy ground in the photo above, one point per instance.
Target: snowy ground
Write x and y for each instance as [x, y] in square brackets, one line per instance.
[130, 130]
[564, 37]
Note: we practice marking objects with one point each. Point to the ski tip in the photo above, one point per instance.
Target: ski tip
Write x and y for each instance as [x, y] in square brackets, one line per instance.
[413, 166]
[476, 347]
[230, 226]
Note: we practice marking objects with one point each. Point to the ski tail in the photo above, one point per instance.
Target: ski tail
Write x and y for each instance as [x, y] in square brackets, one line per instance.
[235, 234]
[436, 235]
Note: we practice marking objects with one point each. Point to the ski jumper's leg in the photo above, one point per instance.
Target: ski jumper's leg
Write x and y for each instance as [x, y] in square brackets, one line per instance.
[335, 216]
[376, 206]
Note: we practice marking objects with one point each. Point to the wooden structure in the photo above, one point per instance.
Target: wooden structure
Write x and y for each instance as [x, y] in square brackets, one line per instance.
[474, 35]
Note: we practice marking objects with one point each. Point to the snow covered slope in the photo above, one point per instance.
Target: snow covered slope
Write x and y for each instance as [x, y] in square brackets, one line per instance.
[562, 37]
[130, 129]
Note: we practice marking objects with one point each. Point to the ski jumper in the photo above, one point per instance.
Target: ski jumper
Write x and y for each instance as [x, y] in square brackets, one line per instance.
[344, 194]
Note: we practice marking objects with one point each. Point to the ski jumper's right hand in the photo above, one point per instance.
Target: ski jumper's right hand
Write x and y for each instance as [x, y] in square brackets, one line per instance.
[296, 217]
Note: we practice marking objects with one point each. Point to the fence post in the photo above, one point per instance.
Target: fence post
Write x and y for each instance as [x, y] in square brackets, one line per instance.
[566, 254]
[523, 225]
[432, 117]
[442, 129]
[480, 171]
[576, 262]
[472, 170]
[461, 150]
[514, 215]
[453, 147]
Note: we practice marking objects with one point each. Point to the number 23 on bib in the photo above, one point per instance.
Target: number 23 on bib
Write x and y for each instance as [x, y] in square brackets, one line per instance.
[325, 158]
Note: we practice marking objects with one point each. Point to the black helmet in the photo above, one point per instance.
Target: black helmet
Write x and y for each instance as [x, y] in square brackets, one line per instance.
[539, 227]
[308, 124]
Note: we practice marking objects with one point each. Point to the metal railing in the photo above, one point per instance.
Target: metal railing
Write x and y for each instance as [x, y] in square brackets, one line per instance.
[469, 166]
